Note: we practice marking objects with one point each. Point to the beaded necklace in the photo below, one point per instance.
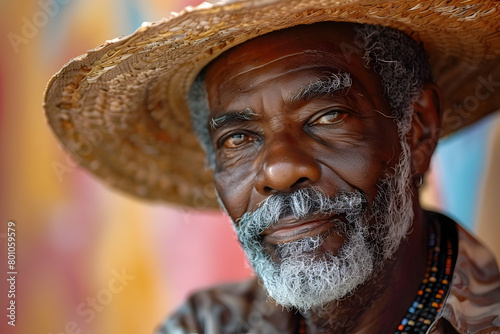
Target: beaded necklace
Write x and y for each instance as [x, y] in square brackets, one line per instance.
[434, 285]
[433, 289]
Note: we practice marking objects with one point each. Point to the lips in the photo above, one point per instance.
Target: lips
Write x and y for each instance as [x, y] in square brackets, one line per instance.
[290, 230]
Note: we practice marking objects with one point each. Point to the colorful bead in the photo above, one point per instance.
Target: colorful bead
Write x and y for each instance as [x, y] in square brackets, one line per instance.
[428, 301]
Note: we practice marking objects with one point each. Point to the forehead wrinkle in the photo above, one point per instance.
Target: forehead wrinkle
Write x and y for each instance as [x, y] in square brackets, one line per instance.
[307, 52]
[264, 65]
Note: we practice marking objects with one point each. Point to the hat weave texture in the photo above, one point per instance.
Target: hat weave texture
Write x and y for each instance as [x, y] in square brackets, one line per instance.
[121, 108]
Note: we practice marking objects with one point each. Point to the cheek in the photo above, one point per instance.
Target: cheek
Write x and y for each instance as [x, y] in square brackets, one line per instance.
[361, 166]
[361, 152]
[234, 188]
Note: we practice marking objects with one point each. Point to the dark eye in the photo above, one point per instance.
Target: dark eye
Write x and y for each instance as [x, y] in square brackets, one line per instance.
[236, 140]
[330, 118]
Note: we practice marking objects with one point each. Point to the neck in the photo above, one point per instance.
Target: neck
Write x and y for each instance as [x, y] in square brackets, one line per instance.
[380, 304]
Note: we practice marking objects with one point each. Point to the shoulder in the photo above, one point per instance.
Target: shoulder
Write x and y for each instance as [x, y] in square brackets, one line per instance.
[232, 308]
[473, 301]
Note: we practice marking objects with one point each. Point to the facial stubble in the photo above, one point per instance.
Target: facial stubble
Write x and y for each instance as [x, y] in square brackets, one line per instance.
[301, 274]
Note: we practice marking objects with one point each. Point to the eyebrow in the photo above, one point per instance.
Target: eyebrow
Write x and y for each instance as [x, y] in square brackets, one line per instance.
[322, 86]
[233, 117]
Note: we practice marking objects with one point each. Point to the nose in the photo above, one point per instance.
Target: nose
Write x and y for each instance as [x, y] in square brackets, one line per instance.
[286, 165]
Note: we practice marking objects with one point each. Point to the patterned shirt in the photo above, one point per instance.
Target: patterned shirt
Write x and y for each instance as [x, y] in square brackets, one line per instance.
[472, 304]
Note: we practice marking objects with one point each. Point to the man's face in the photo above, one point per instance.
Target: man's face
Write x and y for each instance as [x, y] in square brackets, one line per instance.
[290, 111]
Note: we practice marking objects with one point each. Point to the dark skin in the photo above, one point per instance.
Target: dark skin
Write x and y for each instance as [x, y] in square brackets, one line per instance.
[337, 142]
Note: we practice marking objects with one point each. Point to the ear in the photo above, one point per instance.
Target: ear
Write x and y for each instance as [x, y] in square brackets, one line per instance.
[425, 127]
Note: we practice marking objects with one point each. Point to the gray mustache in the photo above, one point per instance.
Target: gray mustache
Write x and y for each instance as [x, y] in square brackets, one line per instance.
[302, 204]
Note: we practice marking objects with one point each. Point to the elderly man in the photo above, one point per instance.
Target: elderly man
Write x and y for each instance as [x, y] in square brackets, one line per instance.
[318, 127]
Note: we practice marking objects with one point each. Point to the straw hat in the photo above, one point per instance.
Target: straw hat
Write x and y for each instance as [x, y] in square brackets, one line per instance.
[121, 108]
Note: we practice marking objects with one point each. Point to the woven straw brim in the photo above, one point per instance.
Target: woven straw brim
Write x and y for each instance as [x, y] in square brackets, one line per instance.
[121, 109]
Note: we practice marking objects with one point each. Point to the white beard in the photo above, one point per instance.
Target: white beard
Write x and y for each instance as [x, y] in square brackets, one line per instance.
[305, 277]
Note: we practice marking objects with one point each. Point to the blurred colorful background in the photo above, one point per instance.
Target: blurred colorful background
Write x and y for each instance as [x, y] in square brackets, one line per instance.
[92, 260]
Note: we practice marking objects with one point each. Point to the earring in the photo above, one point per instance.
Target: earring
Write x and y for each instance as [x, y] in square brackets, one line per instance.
[418, 180]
